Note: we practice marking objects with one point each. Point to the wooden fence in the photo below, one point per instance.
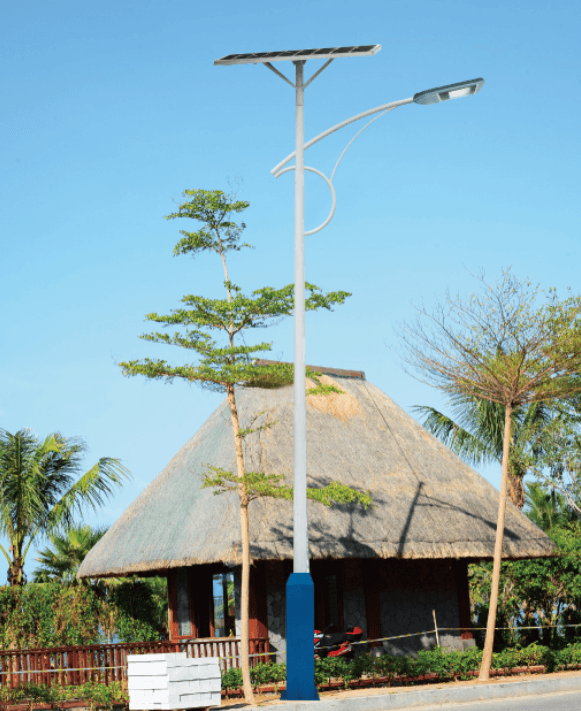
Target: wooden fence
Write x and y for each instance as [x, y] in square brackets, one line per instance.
[105, 663]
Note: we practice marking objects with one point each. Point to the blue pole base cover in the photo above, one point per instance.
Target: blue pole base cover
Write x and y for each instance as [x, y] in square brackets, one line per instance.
[300, 630]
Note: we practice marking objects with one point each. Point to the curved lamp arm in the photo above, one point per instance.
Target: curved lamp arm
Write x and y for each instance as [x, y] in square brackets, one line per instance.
[383, 108]
[279, 170]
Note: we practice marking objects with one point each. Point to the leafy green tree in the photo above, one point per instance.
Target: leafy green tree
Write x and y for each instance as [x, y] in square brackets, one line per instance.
[230, 363]
[503, 347]
[559, 467]
[53, 614]
[541, 592]
[476, 435]
[48, 615]
[60, 561]
[140, 609]
[39, 491]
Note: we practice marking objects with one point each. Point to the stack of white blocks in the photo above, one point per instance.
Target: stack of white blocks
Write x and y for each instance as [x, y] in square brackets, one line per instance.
[173, 681]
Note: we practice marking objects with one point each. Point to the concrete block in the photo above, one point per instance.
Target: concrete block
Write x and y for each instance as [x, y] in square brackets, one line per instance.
[147, 682]
[177, 682]
[171, 658]
[144, 669]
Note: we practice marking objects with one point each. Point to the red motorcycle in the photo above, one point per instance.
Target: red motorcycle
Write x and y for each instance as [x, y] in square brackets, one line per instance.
[337, 644]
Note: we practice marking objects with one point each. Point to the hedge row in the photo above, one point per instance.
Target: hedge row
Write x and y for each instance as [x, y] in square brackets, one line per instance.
[447, 665]
[100, 696]
[54, 615]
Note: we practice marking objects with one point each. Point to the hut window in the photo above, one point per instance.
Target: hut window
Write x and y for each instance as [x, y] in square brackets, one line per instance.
[224, 614]
[183, 603]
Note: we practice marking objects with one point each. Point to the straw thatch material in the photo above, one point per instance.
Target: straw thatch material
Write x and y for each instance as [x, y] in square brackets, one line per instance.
[428, 503]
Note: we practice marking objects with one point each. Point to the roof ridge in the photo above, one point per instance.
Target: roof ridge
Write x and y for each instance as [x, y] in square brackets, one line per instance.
[359, 374]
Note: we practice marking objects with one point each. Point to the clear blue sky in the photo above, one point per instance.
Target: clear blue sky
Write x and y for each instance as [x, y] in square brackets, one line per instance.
[111, 109]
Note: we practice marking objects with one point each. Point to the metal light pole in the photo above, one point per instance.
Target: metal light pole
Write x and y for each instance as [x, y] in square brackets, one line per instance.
[300, 619]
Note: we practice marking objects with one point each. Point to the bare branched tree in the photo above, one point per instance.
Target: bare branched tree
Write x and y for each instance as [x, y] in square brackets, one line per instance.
[505, 344]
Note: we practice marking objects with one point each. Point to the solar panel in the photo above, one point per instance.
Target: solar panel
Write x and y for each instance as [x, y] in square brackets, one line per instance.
[364, 50]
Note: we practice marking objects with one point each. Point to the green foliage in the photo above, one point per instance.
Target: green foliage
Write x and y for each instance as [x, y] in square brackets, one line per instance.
[559, 467]
[232, 679]
[39, 491]
[139, 616]
[447, 665]
[321, 389]
[259, 484]
[54, 615]
[48, 615]
[547, 508]
[475, 434]
[98, 696]
[229, 364]
[512, 343]
[241, 434]
[213, 209]
[268, 673]
[61, 560]
[200, 318]
[543, 592]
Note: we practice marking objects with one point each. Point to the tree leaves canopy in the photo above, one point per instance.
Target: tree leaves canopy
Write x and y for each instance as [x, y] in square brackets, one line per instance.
[202, 320]
[259, 485]
[500, 345]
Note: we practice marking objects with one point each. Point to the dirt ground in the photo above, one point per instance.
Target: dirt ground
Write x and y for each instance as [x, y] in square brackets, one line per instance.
[274, 700]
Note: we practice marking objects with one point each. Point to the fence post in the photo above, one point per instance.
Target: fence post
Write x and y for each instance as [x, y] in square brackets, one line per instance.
[436, 628]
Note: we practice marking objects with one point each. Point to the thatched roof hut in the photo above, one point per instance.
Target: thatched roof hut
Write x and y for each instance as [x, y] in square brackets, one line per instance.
[427, 503]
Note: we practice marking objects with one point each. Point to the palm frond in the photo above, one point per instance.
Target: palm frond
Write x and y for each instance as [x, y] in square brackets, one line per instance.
[466, 445]
[91, 489]
[546, 507]
[38, 491]
[61, 560]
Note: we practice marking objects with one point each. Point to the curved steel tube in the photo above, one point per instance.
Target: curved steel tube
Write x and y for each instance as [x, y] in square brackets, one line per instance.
[322, 175]
[308, 144]
[331, 188]
[354, 137]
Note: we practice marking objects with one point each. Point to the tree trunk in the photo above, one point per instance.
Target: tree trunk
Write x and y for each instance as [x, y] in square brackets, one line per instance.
[245, 535]
[16, 572]
[516, 490]
[491, 624]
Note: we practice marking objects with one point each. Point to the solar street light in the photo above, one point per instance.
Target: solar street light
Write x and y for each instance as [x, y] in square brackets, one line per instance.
[300, 590]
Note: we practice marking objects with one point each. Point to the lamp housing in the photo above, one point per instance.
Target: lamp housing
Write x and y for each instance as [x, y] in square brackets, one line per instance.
[450, 91]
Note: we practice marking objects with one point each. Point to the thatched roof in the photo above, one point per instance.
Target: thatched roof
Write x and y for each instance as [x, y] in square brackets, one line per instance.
[428, 503]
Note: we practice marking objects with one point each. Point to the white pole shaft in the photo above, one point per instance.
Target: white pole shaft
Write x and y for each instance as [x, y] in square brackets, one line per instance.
[300, 536]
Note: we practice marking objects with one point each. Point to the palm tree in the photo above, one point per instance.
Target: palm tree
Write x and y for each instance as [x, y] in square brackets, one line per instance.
[547, 508]
[61, 560]
[40, 492]
[476, 435]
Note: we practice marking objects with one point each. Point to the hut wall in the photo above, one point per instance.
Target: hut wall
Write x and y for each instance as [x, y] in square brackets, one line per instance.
[384, 597]
[275, 576]
[354, 613]
[411, 589]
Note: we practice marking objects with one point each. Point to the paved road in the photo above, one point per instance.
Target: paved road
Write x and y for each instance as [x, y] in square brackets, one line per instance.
[569, 701]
